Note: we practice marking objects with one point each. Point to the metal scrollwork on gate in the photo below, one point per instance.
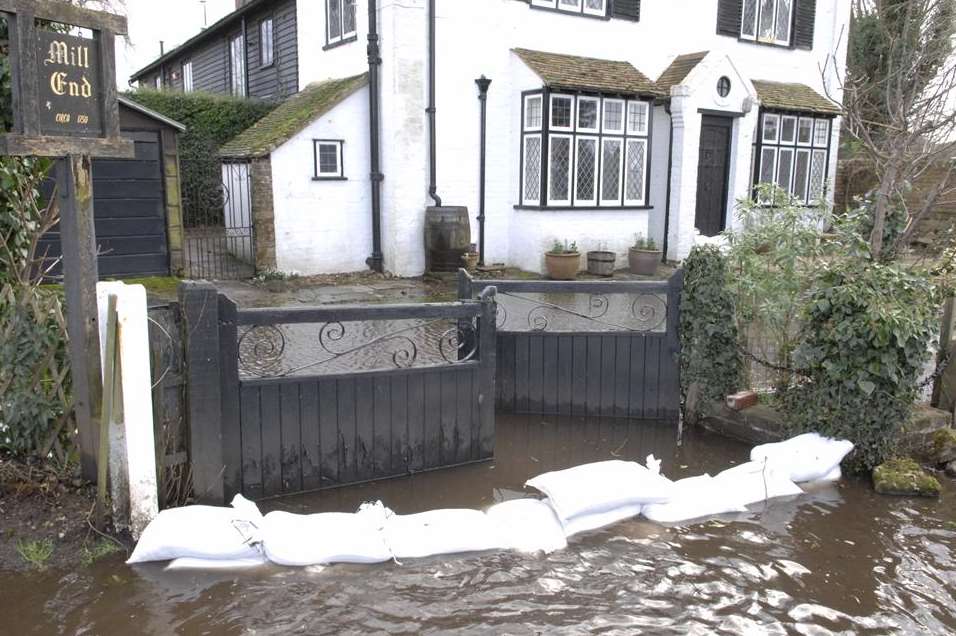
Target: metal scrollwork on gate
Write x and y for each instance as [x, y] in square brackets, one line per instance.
[579, 312]
[459, 344]
[261, 350]
[650, 312]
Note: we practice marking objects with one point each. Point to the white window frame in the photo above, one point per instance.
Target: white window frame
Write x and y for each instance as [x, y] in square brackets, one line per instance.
[627, 143]
[542, 164]
[598, 12]
[788, 187]
[188, 85]
[578, 7]
[823, 176]
[158, 83]
[237, 66]
[571, 120]
[794, 150]
[758, 11]
[612, 131]
[806, 179]
[647, 117]
[527, 99]
[572, 6]
[772, 150]
[597, 163]
[796, 122]
[763, 130]
[800, 122]
[570, 170]
[620, 174]
[817, 125]
[597, 123]
[267, 43]
[339, 172]
[343, 34]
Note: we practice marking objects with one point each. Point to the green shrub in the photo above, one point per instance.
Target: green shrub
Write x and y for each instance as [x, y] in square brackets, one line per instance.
[710, 361]
[210, 120]
[865, 338]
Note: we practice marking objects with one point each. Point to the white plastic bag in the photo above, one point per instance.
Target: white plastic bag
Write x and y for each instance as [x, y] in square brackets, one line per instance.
[439, 532]
[807, 457]
[528, 525]
[202, 532]
[754, 482]
[601, 487]
[597, 520]
[320, 539]
[694, 498]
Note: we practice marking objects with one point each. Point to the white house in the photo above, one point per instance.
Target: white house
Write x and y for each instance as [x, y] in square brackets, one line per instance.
[605, 119]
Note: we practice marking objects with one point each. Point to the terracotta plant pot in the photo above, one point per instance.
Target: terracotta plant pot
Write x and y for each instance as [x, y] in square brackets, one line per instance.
[562, 266]
[469, 261]
[643, 262]
[601, 263]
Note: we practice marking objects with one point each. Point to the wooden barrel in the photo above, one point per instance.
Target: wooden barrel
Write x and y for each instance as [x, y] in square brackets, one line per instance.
[447, 237]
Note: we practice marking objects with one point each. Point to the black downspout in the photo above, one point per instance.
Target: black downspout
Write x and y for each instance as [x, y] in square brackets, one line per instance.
[375, 261]
[483, 84]
[670, 169]
[432, 160]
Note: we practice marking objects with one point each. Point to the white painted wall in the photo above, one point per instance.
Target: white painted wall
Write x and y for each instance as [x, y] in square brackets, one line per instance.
[324, 227]
[317, 61]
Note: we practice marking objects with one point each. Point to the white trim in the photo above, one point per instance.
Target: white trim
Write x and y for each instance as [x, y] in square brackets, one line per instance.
[806, 178]
[354, 31]
[616, 202]
[809, 141]
[188, 85]
[600, 12]
[597, 155]
[550, 167]
[783, 120]
[627, 150]
[524, 124]
[317, 145]
[597, 114]
[554, 96]
[547, 4]
[811, 196]
[264, 59]
[752, 35]
[574, 6]
[763, 130]
[524, 168]
[604, 126]
[788, 187]
[817, 124]
[647, 117]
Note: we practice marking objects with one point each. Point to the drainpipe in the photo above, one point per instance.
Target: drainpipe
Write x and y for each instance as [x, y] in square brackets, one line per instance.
[483, 84]
[375, 261]
[670, 169]
[432, 160]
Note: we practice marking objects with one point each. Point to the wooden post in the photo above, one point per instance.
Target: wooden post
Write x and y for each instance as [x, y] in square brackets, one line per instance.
[109, 393]
[944, 388]
[200, 307]
[75, 191]
[229, 370]
[671, 385]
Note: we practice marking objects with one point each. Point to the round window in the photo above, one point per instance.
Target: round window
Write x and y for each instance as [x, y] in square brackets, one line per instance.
[723, 86]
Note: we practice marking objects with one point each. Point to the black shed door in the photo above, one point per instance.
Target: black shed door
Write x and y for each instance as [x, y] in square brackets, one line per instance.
[129, 211]
[713, 174]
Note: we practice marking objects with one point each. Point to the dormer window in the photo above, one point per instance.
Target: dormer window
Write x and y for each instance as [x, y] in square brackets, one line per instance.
[767, 21]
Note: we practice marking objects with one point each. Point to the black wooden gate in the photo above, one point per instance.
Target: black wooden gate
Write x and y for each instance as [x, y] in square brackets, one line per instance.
[592, 348]
[291, 400]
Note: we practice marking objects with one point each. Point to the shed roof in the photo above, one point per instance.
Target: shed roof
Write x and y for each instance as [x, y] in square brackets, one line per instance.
[679, 69]
[787, 96]
[291, 117]
[152, 114]
[571, 72]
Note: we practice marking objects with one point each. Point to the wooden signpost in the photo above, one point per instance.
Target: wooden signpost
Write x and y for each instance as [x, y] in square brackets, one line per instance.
[65, 106]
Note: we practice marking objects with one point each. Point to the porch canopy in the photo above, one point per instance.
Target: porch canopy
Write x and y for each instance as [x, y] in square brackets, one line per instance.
[588, 74]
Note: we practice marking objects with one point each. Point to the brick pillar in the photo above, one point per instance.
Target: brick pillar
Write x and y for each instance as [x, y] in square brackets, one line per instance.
[263, 214]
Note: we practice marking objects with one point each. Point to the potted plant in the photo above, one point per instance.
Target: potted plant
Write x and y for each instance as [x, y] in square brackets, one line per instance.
[563, 260]
[601, 261]
[470, 258]
[644, 257]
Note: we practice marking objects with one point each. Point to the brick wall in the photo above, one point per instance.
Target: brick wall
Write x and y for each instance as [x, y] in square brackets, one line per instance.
[263, 215]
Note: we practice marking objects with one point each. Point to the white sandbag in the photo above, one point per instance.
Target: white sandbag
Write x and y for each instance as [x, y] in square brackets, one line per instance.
[203, 532]
[439, 532]
[601, 487]
[807, 457]
[528, 525]
[320, 539]
[694, 498]
[209, 565]
[754, 482]
[596, 520]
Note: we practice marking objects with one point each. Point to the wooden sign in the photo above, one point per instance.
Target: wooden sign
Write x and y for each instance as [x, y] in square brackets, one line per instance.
[64, 84]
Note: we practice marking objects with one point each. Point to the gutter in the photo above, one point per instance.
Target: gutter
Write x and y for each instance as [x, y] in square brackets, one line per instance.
[376, 260]
[432, 159]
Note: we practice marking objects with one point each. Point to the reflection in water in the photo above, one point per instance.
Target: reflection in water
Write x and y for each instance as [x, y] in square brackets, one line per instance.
[839, 558]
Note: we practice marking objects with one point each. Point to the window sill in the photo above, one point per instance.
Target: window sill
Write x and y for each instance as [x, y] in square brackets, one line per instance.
[269, 65]
[348, 40]
[775, 45]
[330, 178]
[567, 208]
[573, 14]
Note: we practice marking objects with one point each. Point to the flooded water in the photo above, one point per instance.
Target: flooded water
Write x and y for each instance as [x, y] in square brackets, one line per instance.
[838, 559]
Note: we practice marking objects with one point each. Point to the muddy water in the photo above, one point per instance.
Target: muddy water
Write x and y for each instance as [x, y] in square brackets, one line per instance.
[838, 559]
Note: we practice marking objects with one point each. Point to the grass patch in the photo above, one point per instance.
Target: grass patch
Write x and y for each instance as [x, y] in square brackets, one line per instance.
[165, 286]
[36, 552]
[100, 549]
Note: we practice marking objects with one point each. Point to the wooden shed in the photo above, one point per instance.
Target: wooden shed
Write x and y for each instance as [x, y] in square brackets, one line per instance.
[137, 202]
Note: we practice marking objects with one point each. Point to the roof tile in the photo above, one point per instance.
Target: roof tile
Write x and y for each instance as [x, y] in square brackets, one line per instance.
[679, 69]
[798, 97]
[570, 72]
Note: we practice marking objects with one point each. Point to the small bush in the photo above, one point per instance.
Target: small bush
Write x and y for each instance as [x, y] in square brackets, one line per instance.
[864, 341]
[36, 552]
[710, 361]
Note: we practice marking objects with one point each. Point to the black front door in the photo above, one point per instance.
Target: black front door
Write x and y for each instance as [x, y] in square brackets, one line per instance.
[712, 174]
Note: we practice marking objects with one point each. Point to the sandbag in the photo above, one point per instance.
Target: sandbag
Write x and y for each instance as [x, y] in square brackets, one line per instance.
[601, 487]
[202, 532]
[438, 532]
[754, 482]
[190, 563]
[320, 539]
[807, 457]
[528, 525]
[596, 520]
[694, 498]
